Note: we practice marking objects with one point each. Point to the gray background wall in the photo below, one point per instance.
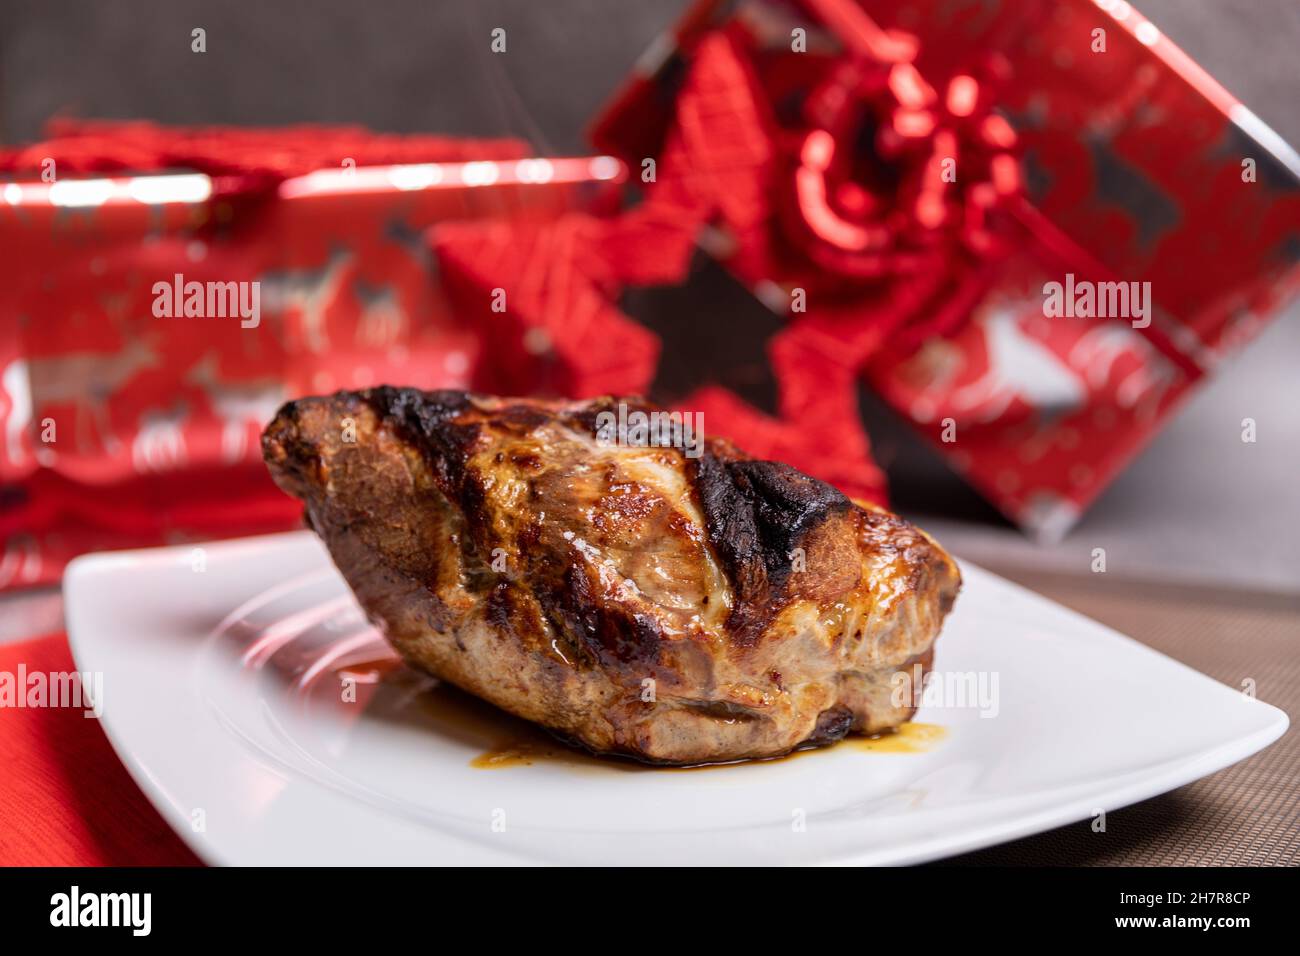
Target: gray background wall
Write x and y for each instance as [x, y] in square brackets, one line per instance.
[1198, 506]
[418, 65]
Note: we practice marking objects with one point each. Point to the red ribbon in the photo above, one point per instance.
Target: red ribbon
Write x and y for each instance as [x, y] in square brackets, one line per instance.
[895, 178]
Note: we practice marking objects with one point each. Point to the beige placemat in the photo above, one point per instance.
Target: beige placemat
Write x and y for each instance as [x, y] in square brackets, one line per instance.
[1246, 815]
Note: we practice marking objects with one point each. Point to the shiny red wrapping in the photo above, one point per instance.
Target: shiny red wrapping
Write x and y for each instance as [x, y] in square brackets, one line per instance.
[544, 300]
[122, 428]
[804, 145]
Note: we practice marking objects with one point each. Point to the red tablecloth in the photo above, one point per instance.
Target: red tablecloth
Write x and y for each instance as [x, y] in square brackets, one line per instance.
[65, 798]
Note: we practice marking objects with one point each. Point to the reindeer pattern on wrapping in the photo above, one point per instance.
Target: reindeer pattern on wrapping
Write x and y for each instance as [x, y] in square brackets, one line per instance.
[310, 292]
[242, 407]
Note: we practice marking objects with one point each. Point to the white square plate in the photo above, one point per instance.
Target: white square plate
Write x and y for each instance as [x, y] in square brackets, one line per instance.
[258, 710]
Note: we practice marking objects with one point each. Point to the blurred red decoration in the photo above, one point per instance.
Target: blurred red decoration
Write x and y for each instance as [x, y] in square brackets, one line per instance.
[898, 192]
[125, 429]
[820, 169]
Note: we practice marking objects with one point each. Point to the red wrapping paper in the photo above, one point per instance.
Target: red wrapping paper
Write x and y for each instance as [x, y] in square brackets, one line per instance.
[155, 420]
[561, 333]
[1122, 166]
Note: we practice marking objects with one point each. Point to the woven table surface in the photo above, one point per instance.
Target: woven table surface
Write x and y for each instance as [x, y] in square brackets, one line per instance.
[1245, 815]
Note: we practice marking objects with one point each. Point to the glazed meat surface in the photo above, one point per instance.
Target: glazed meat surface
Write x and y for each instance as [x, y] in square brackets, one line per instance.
[636, 600]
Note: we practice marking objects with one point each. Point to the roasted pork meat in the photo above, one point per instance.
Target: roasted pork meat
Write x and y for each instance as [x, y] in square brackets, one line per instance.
[650, 602]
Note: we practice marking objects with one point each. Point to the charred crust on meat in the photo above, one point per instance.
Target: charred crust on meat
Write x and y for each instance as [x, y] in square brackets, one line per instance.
[423, 413]
[787, 505]
[732, 528]
[617, 637]
[833, 724]
[756, 513]
[429, 421]
[435, 424]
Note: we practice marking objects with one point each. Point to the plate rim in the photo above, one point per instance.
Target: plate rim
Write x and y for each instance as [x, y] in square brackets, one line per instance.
[1177, 773]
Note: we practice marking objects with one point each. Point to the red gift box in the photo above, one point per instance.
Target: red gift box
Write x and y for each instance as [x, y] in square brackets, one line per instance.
[130, 409]
[546, 302]
[935, 179]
